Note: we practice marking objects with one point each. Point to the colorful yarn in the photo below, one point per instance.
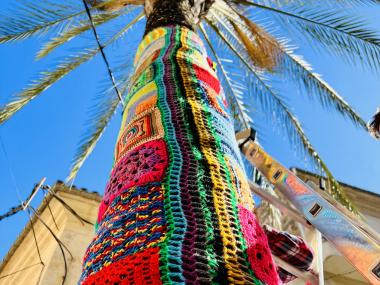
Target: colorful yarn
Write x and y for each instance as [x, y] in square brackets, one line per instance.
[134, 221]
[145, 127]
[177, 201]
[141, 268]
[144, 164]
[259, 254]
[146, 92]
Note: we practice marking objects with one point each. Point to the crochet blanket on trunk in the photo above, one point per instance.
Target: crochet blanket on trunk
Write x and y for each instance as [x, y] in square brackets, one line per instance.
[177, 208]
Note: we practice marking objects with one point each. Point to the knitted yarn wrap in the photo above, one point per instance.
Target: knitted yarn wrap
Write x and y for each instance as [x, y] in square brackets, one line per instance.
[177, 208]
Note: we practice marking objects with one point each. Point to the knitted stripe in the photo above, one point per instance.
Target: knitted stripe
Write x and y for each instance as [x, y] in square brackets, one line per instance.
[170, 254]
[195, 258]
[147, 91]
[221, 195]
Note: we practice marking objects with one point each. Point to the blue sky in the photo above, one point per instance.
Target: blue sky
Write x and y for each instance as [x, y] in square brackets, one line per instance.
[41, 139]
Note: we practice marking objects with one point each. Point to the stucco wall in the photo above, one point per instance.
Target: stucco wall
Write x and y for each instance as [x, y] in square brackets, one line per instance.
[74, 234]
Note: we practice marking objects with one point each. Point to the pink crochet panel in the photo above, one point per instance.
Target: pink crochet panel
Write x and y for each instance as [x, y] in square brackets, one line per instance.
[144, 164]
[258, 251]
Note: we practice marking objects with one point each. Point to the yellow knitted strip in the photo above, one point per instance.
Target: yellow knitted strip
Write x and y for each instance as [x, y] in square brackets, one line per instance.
[241, 186]
[235, 274]
[150, 38]
[157, 45]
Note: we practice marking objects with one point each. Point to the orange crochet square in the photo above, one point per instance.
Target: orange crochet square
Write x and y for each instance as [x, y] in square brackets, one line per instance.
[146, 104]
[146, 127]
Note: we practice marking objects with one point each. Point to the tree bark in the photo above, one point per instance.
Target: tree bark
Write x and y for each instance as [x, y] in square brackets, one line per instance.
[177, 208]
[185, 13]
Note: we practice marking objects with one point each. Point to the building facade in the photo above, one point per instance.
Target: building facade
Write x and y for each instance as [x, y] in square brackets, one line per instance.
[27, 264]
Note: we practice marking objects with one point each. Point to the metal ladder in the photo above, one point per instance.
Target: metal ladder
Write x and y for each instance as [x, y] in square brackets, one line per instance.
[354, 239]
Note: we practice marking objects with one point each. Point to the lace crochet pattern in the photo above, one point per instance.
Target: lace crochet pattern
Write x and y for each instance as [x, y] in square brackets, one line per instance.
[177, 208]
[144, 164]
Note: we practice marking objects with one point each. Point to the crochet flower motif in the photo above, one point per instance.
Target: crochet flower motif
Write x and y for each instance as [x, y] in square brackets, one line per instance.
[144, 164]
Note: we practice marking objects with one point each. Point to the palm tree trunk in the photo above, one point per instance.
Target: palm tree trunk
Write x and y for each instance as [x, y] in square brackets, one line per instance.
[177, 208]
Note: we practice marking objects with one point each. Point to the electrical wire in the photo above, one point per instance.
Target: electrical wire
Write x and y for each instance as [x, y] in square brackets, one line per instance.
[48, 206]
[101, 48]
[20, 207]
[35, 238]
[71, 210]
[18, 271]
[61, 245]
[10, 170]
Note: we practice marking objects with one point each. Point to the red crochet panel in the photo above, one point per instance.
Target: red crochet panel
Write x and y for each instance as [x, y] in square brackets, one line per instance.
[207, 78]
[258, 251]
[141, 268]
[144, 164]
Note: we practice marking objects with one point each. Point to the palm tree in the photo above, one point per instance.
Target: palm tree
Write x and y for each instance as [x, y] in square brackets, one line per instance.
[186, 216]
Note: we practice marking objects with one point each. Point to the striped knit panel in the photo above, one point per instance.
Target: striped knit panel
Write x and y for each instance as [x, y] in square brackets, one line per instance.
[175, 207]
[238, 271]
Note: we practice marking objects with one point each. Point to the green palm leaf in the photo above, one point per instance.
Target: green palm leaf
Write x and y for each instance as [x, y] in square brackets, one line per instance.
[295, 68]
[48, 78]
[103, 111]
[72, 32]
[342, 34]
[35, 18]
[274, 104]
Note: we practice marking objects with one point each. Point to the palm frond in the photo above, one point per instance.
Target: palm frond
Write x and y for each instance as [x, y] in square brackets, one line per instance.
[115, 5]
[35, 18]
[300, 72]
[274, 104]
[259, 45]
[102, 113]
[342, 34]
[48, 78]
[72, 32]
[258, 51]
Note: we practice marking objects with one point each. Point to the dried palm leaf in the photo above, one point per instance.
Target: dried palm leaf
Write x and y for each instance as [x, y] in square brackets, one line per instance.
[264, 50]
[113, 5]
